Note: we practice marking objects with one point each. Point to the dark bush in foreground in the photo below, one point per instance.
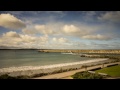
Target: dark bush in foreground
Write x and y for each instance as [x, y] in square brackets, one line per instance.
[5, 76]
[86, 75]
[39, 75]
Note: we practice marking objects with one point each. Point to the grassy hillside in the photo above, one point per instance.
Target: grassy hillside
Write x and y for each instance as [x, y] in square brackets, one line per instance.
[112, 71]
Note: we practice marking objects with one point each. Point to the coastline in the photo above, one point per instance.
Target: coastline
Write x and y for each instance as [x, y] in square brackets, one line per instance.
[67, 75]
[32, 70]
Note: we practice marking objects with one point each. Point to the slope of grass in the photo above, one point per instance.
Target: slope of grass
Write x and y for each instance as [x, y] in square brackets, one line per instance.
[112, 71]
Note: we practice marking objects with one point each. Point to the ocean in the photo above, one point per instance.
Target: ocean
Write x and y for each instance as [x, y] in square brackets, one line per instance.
[18, 58]
[32, 62]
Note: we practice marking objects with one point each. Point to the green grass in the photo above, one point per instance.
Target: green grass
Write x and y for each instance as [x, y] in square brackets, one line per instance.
[112, 71]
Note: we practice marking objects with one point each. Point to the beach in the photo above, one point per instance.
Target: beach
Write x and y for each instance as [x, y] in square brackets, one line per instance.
[32, 63]
[67, 75]
[32, 70]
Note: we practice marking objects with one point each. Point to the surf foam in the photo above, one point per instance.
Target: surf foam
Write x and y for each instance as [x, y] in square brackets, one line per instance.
[25, 68]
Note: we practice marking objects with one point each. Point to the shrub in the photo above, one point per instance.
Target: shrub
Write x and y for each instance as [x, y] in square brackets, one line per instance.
[6, 76]
[86, 75]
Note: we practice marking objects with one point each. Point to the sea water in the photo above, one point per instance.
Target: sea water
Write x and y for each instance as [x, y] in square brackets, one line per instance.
[17, 58]
[29, 62]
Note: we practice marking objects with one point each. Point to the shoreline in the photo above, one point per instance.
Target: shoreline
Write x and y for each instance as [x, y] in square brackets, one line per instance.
[67, 75]
[32, 70]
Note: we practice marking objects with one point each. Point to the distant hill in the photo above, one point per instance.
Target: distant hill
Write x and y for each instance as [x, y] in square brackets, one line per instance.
[6, 47]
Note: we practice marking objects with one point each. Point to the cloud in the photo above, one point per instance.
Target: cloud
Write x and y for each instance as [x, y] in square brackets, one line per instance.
[40, 27]
[30, 30]
[13, 39]
[110, 16]
[75, 31]
[34, 41]
[11, 34]
[70, 29]
[43, 38]
[60, 43]
[10, 39]
[105, 45]
[67, 44]
[60, 40]
[27, 38]
[96, 37]
[44, 29]
[60, 29]
[11, 22]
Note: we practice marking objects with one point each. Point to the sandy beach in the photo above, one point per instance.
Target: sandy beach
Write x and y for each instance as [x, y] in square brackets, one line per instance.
[67, 75]
[32, 70]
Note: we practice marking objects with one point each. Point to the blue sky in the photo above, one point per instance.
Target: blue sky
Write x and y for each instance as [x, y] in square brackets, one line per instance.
[60, 29]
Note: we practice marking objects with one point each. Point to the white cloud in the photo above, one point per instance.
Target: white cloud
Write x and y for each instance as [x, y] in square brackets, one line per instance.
[75, 31]
[13, 39]
[10, 39]
[34, 41]
[20, 38]
[29, 31]
[54, 39]
[79, 31]
[60, 29]
[70, 29]
[44, 29]
[60, 43]
[27, 38]
[110, 16]
[11, 34]
[11, 22]
[43, 38]
[40, 27]
[96, 37]
[56, 33]
[63, 40]
[60, 40]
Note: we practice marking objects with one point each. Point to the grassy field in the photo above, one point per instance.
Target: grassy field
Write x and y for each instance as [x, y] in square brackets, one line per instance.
[112, 71]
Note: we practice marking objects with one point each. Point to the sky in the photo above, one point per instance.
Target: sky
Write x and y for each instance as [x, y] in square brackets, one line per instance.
[60, 29]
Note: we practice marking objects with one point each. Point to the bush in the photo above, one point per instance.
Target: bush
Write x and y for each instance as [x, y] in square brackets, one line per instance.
[86, 75]
[6, 76]
[39, 75]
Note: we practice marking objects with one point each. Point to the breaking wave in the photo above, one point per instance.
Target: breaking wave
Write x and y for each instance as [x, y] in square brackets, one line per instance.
[25, 68]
